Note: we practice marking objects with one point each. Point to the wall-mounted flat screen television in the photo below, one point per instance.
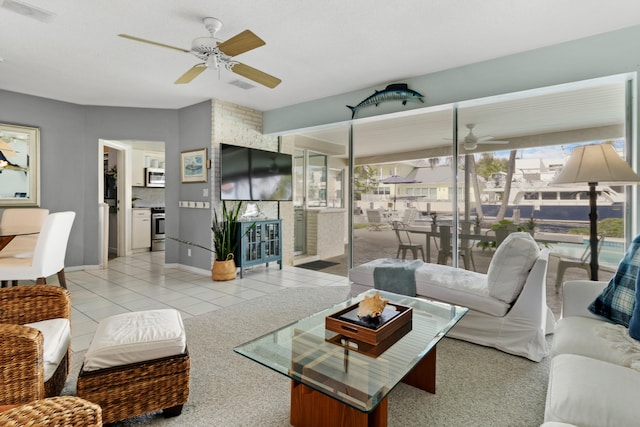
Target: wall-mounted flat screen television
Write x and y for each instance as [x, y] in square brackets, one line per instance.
[252, 174]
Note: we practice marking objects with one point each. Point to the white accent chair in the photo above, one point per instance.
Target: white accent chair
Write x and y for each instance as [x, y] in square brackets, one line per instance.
[48, 256]
[22, 246]
[507, 306]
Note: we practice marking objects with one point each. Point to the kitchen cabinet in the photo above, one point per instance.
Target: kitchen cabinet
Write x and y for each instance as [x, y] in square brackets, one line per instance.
[141, 229]
[141, 160]
[261, 244]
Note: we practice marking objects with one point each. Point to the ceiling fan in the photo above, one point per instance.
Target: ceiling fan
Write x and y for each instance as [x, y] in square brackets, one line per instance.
[216, 54]
[471, 141]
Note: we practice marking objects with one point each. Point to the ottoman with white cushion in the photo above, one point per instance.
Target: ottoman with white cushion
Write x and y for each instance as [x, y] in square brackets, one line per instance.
[137, 363]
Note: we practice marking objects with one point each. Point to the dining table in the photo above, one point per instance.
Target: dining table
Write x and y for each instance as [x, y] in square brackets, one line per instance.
[486, 235]
[8, 233]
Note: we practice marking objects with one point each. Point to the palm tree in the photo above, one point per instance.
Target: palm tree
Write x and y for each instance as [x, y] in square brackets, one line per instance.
[507, 186]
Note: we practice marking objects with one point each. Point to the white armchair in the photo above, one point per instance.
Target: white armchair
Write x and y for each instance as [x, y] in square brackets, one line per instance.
[48, 256]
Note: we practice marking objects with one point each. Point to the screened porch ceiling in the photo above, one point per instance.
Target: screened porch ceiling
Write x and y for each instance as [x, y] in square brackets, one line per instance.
[577, 112]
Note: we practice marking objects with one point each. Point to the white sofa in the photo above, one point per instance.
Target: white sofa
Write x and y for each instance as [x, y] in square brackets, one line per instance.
[507, 306]
[594, 378]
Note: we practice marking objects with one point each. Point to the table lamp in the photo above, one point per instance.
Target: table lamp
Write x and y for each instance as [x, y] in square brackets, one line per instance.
[595, 164]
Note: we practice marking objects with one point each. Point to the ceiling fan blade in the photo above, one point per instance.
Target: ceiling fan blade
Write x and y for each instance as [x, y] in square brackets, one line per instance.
[256, 75]
[191, 74]
[240, 43]
[138, 39]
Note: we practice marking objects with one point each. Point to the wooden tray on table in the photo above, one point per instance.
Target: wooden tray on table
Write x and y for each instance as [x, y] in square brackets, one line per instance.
[371, 337]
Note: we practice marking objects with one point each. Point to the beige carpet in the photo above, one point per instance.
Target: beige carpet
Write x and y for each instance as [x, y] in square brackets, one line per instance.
[476, 386]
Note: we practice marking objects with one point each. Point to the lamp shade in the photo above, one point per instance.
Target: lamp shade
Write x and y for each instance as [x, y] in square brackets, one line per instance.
[597, 163]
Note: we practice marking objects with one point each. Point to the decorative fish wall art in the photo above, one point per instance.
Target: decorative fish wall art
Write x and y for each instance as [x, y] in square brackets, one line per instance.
[393, 92]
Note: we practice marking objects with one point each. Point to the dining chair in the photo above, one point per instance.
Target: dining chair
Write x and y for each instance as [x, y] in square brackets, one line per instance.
[48, 256]
[466, 246]
[404, 241]
[22, 246]
[584, 262]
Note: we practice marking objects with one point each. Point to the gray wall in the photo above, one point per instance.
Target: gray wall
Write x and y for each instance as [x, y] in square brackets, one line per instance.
[69, 135]
[606, 54]
[193, 135]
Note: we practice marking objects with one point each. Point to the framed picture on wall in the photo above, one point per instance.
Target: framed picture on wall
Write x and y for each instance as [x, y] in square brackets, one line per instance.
[19, 165]
[193, 165]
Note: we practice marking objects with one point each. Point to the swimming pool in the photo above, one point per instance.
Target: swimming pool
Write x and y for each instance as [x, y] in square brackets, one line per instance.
[610, 254]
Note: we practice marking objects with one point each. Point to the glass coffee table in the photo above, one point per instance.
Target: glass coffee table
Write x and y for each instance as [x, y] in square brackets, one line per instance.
[339, 381]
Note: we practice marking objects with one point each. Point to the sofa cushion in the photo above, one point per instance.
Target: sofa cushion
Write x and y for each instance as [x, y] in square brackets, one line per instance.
[591, 393]
[510, 266]
[460, 287]
[590, 337]
[135, 337]
[617, 300]
[56, 335]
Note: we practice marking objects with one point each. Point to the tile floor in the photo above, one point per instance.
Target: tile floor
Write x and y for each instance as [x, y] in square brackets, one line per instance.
[143, 282]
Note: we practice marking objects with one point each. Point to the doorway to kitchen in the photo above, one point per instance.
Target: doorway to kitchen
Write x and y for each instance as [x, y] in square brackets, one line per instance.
[131, 197]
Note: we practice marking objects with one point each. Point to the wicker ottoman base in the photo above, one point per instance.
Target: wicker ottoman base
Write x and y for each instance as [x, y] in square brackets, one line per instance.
[139, 388]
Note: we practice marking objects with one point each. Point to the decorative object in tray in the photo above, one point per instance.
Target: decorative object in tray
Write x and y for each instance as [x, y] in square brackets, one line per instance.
[370, 323]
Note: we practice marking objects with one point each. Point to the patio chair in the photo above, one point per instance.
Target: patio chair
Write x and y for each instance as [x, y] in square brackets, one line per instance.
[404, 241]
[445, 249]
[584, 262]
[375, 218]
[466, 245]
[409, 215]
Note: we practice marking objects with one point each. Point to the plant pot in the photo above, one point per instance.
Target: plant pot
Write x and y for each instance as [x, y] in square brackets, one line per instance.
[224, 270]
[477, 229]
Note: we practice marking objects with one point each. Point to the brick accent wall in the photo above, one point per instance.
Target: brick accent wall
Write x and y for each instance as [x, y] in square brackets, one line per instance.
[237, 125]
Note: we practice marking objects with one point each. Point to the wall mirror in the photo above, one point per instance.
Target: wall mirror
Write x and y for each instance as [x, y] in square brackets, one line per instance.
[19, 165]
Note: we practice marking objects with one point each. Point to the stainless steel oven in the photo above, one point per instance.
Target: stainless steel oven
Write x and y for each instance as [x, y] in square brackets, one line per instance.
[157, 229]
[154, 177]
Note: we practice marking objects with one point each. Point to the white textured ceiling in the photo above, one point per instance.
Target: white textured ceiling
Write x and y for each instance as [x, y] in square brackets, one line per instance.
[317, 48]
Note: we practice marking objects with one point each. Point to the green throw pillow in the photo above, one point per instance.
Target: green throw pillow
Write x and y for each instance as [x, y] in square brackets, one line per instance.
[617, 300]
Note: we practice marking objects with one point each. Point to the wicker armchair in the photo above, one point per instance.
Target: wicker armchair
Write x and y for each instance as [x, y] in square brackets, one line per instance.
[61, 411]
[21, 347]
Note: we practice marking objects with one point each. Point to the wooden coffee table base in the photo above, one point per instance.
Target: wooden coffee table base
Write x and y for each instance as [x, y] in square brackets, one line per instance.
[310, 408]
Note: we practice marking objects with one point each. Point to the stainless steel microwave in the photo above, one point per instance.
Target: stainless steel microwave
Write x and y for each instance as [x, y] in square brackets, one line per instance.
[154, 177]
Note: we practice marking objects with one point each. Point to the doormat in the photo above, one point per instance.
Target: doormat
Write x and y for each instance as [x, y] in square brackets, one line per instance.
[317, 265]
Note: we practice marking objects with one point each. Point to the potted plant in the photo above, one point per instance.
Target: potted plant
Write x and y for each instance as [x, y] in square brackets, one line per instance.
[225, 242]
[531, 225]
[434, 221]
[476, 227]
